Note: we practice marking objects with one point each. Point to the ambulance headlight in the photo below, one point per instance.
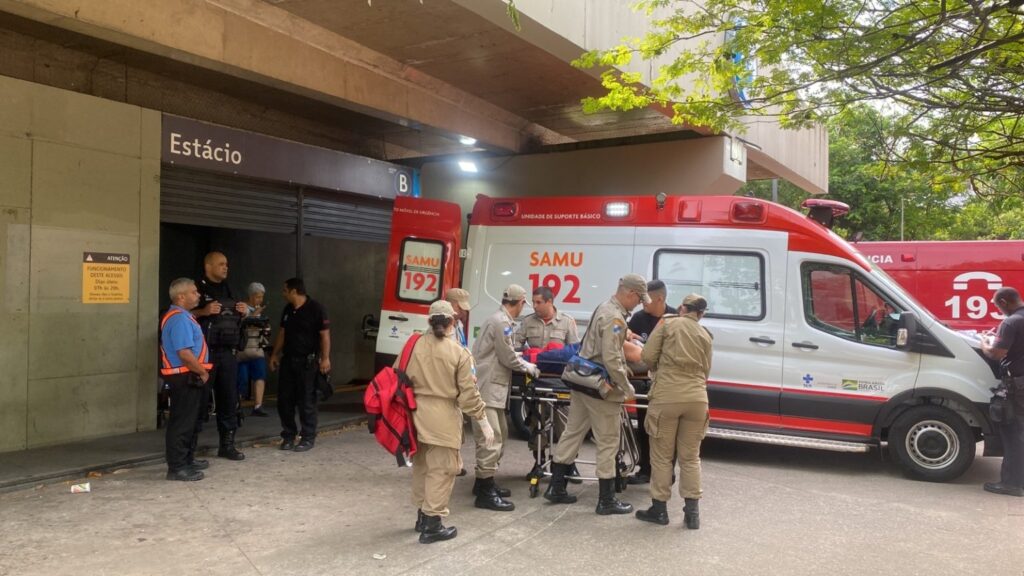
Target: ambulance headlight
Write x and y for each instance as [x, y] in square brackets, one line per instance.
[616, 209]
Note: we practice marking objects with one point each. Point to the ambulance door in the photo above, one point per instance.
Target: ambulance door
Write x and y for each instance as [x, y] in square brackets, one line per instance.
[743, 279]
[423, 263]
[841, 361]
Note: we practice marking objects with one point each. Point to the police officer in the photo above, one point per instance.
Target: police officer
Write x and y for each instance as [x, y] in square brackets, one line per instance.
[302, 348]
[642, 325]
[220, 316]
[184, 367]
[1008, 347]
[601, 344]
[677, 414]
[546, 324]
[437, 362]
[496, 360]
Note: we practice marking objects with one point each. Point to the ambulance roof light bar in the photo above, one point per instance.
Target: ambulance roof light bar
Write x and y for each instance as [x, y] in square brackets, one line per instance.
[748, 211]
[617, 209]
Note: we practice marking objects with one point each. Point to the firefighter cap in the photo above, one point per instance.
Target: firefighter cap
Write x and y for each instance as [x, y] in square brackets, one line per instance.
[514, 293]
[442, 308]
[636, 283]
[458, 297]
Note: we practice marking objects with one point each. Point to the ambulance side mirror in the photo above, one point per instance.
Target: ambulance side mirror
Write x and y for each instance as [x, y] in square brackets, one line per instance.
[905, 330]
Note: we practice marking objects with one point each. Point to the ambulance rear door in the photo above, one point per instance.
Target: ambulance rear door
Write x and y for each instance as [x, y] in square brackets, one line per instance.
[422, 264]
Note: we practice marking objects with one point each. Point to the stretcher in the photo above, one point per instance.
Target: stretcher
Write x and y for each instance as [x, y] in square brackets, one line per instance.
[547, 405]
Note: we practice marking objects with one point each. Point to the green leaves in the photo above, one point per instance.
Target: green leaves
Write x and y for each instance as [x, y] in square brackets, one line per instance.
[949, 73]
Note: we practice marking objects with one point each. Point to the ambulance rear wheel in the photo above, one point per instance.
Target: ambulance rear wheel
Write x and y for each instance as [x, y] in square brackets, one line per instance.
[932, 443]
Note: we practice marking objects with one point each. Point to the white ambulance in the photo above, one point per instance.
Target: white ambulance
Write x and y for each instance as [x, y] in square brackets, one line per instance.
[814, 345]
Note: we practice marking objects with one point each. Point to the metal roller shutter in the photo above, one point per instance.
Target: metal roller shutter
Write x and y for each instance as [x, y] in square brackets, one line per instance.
[221, 201]
[348, 220]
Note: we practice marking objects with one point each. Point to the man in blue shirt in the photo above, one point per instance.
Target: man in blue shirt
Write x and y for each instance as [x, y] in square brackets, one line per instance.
[184, 365]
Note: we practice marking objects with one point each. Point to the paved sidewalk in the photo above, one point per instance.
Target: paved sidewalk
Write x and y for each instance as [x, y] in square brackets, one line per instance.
[30, 468]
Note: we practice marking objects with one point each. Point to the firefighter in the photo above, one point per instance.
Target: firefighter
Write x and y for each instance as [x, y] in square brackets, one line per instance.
[602, 344]
[495, 360]
[435, 363]
[546, 324]
[679, 350]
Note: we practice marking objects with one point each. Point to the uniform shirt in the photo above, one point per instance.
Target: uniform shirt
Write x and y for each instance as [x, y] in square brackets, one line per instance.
[642, 324]
[210, 291]
[180, 331]
[459, 334]
[441, 372]
[495, 359]
[603, 344]
[1010, 337]
[302, 327]
[680, 352]
[538, 333]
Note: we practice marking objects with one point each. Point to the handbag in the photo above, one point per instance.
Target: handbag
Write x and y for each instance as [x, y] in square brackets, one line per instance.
[586, 375]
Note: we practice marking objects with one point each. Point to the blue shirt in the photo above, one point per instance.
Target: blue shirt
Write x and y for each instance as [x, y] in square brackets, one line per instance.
[181, 331]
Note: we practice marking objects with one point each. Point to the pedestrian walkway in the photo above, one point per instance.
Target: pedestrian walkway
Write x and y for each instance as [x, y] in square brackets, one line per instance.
[29, 468]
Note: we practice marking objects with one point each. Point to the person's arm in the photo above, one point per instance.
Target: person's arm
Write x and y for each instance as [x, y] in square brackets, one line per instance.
[210, 309]
[652, 349]
[192, 363]
[613, 335]
[468, 396]
[572, 336]
[275, 356]
[507, 356]
[997, 347]
[325, 351]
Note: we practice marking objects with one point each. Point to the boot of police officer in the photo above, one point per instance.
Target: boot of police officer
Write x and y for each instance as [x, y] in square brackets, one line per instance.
[220, 317]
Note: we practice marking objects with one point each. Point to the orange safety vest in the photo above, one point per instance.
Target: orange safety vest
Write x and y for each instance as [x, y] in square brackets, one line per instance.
[167, 369]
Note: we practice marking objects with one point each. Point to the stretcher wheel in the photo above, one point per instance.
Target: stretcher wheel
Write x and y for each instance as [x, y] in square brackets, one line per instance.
[534, 486]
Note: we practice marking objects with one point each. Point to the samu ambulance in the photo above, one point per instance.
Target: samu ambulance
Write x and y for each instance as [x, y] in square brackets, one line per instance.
[814, 345]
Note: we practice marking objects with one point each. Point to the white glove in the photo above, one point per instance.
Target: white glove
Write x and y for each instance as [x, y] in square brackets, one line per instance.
[487, 431]
[532, 370]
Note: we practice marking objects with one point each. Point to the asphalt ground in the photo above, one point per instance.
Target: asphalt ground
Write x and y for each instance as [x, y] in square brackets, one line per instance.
[344, 508]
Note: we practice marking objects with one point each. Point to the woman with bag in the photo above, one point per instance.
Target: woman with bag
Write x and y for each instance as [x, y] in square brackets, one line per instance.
[441, 372]
[679, 351]
[252, 361]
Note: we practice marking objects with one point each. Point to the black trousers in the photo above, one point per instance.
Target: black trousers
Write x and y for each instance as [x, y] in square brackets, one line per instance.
[643, 444]
[1012, 435]
[296, 389]
[187, 394]
[223, 381]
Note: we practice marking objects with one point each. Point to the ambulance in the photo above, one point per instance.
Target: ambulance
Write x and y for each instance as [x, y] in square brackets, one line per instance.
[814, 345]
[953, 280]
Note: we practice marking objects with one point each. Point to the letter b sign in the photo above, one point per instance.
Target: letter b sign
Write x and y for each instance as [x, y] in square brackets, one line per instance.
[403, 184]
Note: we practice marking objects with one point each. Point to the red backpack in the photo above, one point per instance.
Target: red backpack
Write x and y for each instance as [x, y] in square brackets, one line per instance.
[389, 401]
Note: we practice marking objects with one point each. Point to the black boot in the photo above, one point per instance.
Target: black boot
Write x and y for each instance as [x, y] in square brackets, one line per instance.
[556, 487]
[691, 513]
[487, 497]
[227, 447]
[434, 531]
[503, 492]
[657, 513]
[607, 503]
[419, 521]
[573, 473]
[191, 457]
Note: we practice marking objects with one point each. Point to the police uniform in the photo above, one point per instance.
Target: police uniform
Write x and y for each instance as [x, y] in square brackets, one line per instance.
[679, 350]
[178, 331]
[434, 366]
[537, 333]
[223, 335]
[495, 360]
[603, 344]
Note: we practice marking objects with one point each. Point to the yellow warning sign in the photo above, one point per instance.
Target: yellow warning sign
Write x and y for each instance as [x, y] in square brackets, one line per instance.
[105, 278]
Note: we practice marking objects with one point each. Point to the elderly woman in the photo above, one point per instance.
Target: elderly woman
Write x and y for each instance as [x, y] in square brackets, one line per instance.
[252, 361]
[441, 372]
[679, 351]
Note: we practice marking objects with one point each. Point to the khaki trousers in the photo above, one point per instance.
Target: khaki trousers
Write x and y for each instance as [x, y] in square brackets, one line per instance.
[604, 418]
[676, 428]
[433, 476]
[487, 459]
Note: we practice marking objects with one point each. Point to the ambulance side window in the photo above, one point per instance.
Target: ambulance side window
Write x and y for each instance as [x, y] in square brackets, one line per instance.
[421, 270]
[732, 282]
[838, 301]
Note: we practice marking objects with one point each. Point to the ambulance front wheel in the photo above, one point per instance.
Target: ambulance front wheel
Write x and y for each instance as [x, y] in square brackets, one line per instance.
[932, 443]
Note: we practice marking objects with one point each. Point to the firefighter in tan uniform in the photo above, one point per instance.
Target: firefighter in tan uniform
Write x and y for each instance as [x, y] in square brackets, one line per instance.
[546, 324]
[441, 372]
[496, 360]
[602, 344]
[679, 350]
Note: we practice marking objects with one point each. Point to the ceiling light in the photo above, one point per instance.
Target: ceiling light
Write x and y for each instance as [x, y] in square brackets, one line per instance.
[466, 140]
[467, 166]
